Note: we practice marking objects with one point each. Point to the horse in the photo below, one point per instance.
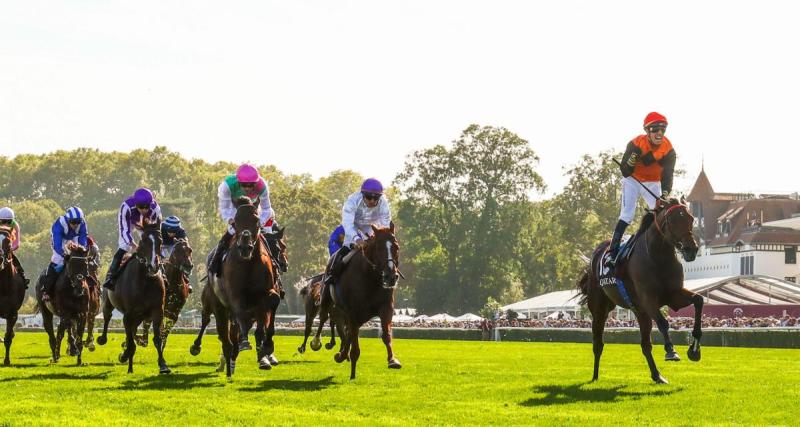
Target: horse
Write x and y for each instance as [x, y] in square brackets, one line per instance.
[309, 290]
[246, 291]
[139, 294]
[72, 296]
[365, 289]
[12, 290]
[652, 278]
[94, 294]
[177, 270]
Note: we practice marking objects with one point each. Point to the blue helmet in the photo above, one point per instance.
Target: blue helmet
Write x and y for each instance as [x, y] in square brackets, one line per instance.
[74, 214]
[172, 222]
[372, 185]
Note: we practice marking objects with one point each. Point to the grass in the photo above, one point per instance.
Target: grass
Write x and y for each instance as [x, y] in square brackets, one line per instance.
[441, 383]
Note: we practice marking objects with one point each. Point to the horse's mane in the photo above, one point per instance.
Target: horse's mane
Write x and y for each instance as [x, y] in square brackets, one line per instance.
[647, 220]
[242, 201]
[76, 247]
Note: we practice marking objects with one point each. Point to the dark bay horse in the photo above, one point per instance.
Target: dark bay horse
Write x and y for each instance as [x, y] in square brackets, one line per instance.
[139, 294]
[653, 278]
[366, 289]
[94, 297]
[177, 270]
[12, 290]
[310, 290]
[72, 295]
[246, 291]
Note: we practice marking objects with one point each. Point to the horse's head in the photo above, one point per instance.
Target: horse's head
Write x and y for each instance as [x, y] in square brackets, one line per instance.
[675, 223]
[149, 251]
[181, 256]
[246, 225]
[384, 253]
[5, 246]
[76, 267]
[277, 248]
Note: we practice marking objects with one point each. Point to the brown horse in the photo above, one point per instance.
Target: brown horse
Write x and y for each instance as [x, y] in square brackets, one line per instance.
[139, 294]
[12, 290]
[94, 294]
[72, 294]
[177, 270]
[365, 289]
[247, 289]
[652, 278]
[310, 293]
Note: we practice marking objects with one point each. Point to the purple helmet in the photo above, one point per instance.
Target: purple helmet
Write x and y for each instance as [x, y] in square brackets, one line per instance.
[372, 185]
[142, 196]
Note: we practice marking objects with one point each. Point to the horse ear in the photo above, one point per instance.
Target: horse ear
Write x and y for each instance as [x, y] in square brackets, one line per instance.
[683, 199]
[374, 228]
[280, 232]
[391, 226]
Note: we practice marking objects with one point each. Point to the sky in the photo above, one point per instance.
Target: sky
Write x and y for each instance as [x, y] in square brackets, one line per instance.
[315, 86]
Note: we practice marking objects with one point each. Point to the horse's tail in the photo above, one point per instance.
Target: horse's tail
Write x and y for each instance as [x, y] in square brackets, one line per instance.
[303, 285]
[583, 287]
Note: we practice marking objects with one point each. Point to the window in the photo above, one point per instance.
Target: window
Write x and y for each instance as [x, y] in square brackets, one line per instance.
[790, 254]
[746, 265]
[791, 279]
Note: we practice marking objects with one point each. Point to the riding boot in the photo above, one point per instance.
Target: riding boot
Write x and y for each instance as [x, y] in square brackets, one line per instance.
[48, 281]
[113, 269]
[613, 250]
[19, 268]
[216, 262]
[332, 272]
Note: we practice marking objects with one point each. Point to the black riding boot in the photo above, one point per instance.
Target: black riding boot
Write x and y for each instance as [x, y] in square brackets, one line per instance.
[332, 272]
[619, 230]
[113, 269]
[48, 281]
[216, 262]
[21, 271]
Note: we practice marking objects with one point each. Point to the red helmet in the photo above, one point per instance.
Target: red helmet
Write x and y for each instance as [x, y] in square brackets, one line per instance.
[654, 118]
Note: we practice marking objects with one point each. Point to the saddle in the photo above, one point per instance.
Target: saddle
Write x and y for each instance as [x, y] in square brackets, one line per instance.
[608, 276]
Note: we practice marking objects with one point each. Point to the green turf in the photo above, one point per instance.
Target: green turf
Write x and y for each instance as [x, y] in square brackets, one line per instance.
[441, 383]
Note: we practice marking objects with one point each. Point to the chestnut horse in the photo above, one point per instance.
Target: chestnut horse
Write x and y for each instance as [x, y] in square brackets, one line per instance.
[246, 291]
[365, 289]
[139, 294]
[652, 278]
[177, 270]
[72, 296]
[12, 290]
[310, 293]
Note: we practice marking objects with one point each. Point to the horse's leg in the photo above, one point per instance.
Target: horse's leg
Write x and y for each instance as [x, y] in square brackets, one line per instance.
[11, 320]
[261, 354]
[72, 346]
[223, 333]
[355, 349]
[386, 335]
[47, 322]
[269, 343]
[669, 349]
[646, 327]
[332, 342]
[80, 325]
[599, 315]
[141, 340]
[157, 317]
[310, 314]
[194, 350]
[344, 346]
[131, 325]
[681, 299]
[89, 343]
[107, 310]
[59, 337]
[235, 334]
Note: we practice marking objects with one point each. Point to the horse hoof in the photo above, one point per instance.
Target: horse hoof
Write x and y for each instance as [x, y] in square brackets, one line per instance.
[672, 357]
[102, 340]
[339, 358]
[272, 359]
[395, 364]
[245, 345]
[264, 364]
[694, 356]
[122, 358]
[164, 371]
[329, 345]
[90, 347]
[194, 350]
[301, 349]
[316, 344]
[660, 380]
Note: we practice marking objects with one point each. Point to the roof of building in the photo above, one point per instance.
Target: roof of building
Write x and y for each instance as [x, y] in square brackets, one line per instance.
[745, 290]
[558, 300]
[746, 219]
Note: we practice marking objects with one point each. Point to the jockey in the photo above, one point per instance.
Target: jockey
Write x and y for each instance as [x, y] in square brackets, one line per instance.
[649, 159]
[70, 227]
[8, 219]
[171, 231]
[245, 182]
[136, 211]
[361, 210]
[336, 240]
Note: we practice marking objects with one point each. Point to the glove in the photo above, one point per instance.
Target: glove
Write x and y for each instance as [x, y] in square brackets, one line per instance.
[632, 159]
[665, 195]
[58, 268]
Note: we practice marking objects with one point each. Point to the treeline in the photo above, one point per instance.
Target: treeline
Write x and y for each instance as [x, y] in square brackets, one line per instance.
[468, 228]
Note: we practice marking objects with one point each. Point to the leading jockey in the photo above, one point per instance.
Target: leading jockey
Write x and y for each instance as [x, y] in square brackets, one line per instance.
[70, 227]
[134, 213]
[361, 210]
[8, 219]
[245, 182]
[650, 159]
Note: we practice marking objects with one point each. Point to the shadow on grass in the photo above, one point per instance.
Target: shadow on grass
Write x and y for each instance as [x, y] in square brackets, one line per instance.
[560, 395]
[297, 362]
[292, 385]
[59, 376]
[171, 382]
